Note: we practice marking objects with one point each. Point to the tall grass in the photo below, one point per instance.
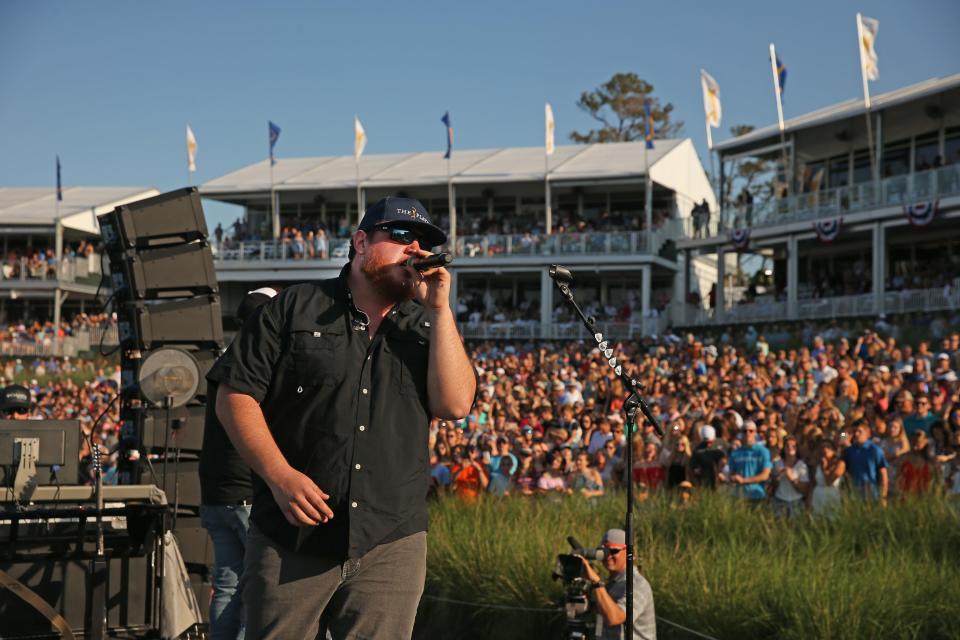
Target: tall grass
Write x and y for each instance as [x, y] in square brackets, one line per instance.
[717, 566]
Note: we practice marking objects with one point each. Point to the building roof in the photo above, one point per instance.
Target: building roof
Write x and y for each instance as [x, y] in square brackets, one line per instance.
[512, 164]
[37, 206]
[841, 111]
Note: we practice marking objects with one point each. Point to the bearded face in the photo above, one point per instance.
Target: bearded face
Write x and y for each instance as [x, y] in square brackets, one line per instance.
[383, 265]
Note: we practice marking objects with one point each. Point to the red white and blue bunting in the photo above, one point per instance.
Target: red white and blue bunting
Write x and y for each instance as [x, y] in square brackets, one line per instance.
[828, 229]
[740, 239]
[920, 214]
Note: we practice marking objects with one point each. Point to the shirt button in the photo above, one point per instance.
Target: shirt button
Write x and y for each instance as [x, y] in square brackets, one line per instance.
[369, 357]
[364, 392]
[353, 504]
[362, 428]
[357, 467]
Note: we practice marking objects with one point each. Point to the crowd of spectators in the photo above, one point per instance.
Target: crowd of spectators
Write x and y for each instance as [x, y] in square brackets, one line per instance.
[40, 262]
[44, 333]
[311, 239]
[73, 389]
[798, 428]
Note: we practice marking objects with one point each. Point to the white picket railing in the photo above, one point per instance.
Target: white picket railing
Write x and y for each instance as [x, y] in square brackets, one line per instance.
[894, 302]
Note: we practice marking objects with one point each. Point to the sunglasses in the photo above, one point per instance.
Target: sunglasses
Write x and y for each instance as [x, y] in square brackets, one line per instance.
[611, 552]
[400, 235]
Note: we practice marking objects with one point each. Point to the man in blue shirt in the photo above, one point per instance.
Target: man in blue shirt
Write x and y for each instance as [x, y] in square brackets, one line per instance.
[866, 464]
[750, 465]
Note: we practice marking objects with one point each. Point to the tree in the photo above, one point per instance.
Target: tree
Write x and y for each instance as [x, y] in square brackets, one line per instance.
[744, 173]
[618, 106]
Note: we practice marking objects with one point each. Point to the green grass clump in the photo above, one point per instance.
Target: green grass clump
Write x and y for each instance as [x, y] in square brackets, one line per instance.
[718, 566]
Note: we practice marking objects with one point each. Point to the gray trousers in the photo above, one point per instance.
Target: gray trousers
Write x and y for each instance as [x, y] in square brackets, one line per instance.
[289, 595]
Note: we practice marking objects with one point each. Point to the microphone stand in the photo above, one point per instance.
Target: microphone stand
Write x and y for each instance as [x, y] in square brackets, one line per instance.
[562, 277]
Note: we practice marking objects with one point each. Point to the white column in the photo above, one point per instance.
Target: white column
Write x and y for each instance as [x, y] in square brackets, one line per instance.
[452, 211]
[275, 210]
[718, 311]
[546, 303]
[879, 266]
[793, 276]
[646, 273]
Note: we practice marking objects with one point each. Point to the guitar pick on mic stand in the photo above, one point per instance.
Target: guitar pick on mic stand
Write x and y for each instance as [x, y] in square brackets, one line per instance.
[562, 277]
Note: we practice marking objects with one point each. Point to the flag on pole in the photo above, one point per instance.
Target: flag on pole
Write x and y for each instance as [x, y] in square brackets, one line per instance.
[868, 28]
[648, 123]
[191, 150]
[446, 122]
[781, 74]
[359, 138]
[711, 99]
[59, 182]
[548, 111]
[274, 135]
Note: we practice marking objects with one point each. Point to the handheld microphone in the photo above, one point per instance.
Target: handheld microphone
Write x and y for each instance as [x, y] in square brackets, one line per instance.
[560, 273]
[430, 262]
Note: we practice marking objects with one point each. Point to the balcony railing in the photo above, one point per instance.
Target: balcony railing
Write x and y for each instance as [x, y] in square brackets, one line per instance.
[807, 207]
[261, 250]
[80, 269]
[600, 243]
[532, 330]
[894, 302]
[478, 246]
[48, 345]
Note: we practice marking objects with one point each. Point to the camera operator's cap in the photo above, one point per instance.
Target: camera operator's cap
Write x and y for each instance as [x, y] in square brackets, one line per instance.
[15, 397]
[614, 538]
[406, 212]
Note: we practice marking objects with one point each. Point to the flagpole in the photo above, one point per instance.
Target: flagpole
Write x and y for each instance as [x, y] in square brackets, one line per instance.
[783, 138]
[866, 101]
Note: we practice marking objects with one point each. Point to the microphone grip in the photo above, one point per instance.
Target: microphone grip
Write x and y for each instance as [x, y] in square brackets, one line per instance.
[430, 262]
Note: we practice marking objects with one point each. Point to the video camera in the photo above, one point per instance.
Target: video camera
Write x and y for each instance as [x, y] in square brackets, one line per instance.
[576, 589]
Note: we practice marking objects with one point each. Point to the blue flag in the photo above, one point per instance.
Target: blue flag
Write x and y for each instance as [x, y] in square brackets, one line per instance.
[648, 123]
[446, 121]
[274, 134]
[59, 182]
[781, 74]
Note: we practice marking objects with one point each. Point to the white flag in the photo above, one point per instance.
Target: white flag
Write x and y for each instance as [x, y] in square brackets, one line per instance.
[867, 28]
[549, 143]
[711, 99]
[359, 138]
[191, 150]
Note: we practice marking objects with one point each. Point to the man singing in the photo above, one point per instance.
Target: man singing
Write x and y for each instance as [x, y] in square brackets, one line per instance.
[328, 399]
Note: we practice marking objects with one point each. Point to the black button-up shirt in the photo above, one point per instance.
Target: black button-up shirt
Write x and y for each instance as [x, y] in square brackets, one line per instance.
[348, 412]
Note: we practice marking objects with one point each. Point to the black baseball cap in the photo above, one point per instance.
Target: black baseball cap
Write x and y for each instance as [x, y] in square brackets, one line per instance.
[15, 398]
[407, 212]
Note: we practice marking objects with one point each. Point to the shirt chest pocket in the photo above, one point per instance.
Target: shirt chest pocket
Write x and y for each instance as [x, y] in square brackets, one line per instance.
[410, 358]
[318, 356]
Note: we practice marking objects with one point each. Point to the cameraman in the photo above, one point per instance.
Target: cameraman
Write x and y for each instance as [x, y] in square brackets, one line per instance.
[611, 597]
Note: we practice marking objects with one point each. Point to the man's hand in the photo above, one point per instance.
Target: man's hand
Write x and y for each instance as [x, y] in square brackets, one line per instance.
[736, 478]
[592, 575]
[300, 500]
[433, 285]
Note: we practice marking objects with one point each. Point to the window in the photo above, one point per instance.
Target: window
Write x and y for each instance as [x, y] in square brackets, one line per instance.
[839, 172]
[896, 159]
[926, 153]
[951, 149]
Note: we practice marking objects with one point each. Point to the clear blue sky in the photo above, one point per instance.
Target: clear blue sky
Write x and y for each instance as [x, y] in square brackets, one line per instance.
[110, 85]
